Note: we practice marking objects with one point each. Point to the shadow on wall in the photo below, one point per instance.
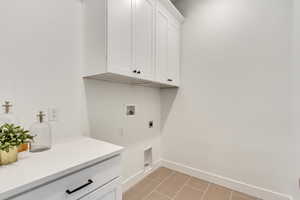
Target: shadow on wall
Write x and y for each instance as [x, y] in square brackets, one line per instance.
[168, 96]
[106, 107]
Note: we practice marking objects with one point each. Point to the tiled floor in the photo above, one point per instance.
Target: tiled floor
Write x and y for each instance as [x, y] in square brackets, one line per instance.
[165, 184]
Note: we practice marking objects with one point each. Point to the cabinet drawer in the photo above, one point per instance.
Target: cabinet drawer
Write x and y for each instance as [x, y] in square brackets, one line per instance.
[111, 191]
[77, 184]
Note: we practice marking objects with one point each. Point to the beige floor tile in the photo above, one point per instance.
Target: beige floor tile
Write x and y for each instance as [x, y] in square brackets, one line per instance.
[216, 192]
[141, 190]
[173, 184]
[130, 196]
[188, 193]
[157, 196]
[160, 174]
[165, 184]
[241, 196]
[198, 184]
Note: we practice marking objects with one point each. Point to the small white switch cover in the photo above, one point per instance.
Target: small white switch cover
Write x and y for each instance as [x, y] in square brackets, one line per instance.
[121, 132]
[52, 114]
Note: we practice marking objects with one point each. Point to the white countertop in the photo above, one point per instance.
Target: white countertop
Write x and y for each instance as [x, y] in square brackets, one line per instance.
[35, 169]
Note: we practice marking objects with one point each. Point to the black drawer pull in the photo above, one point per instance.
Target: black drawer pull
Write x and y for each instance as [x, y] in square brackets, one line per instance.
[170, 80]
[81, 187]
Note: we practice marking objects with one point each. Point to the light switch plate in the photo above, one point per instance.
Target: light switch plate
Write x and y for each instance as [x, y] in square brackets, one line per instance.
[52, 114]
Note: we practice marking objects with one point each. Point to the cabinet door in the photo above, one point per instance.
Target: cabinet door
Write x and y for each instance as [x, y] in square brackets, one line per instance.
[119, 36]
[144, 38]
[112, 191]
[173, 54]
[161, 45]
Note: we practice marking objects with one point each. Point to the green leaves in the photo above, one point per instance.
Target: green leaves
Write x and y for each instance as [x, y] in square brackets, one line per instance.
[12, 136]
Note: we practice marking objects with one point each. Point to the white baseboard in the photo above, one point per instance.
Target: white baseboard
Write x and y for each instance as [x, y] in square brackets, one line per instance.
[131, 181]
[227, 182]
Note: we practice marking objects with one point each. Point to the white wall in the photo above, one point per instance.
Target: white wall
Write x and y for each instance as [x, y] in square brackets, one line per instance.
[231, 115]
[108, 121]
[40, 62]
[40, 59]
[295, 105]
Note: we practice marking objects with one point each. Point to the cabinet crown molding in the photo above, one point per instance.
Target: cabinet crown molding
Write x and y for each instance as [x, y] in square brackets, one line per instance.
[173, 10]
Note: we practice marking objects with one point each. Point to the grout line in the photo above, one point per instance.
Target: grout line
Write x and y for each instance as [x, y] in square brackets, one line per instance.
[148, 195]
[154, 189]
[197, 189]
[231, 193]
[205, 191]
[185, 183]
[159, 182]
[166, 196]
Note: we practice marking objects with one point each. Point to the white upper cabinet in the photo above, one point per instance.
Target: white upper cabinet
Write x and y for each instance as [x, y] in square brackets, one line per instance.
[167, 47]
[119, 36]
[132, 41]
[173, 68]
[161, 45]
[144, 38]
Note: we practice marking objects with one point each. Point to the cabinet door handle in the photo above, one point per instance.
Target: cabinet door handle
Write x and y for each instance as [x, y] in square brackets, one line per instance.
[170, 80]
[134, 71]
[139, 72]
[81, 187]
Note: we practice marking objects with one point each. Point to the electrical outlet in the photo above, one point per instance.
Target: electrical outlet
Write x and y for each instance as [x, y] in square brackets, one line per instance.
[121, 132]
[151, 124]
[52, 114]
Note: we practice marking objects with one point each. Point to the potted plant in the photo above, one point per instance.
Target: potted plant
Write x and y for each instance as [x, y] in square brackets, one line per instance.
[11, 137]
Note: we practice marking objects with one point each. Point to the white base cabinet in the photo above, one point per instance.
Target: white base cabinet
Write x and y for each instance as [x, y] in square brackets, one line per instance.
[97, 182]
[111, 191]
[132, 41]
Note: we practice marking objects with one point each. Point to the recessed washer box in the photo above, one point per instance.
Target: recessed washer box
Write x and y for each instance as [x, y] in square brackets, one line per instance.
[130, 110]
